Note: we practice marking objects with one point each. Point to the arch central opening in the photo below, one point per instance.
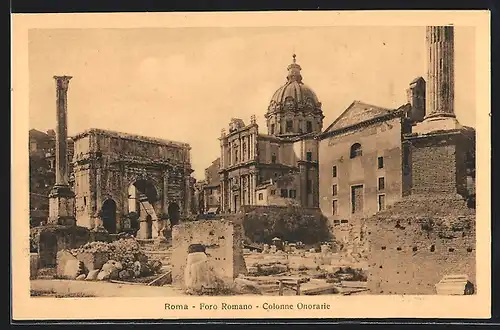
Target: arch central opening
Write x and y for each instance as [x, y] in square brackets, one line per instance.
[142, 197]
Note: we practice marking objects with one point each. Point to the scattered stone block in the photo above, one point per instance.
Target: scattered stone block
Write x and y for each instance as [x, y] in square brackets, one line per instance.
[68, 266]
[155, 266]
[103, 275]
[125, 274]
[243, 286]
[92, 275]
[92, 260]
[81, 277]
[455, 285]
[222, 241]
[72, 269]
[200, 274]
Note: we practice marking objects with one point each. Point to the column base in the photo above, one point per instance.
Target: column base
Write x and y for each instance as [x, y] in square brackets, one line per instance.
[62, 206]
[436, 123]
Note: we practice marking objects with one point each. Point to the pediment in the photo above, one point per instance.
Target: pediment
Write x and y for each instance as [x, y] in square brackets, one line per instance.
[356, 113]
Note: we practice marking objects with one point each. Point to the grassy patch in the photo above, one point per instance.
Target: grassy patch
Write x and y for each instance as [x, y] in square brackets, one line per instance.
[53, 294]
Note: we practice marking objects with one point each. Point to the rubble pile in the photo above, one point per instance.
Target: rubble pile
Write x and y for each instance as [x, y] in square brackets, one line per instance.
[122, 259]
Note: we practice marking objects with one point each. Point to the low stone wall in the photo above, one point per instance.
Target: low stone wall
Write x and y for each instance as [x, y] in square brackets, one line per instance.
[53, 238]
[418, 241]
[222, 240]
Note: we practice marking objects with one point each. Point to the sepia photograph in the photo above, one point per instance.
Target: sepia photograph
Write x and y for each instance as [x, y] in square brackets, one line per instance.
[217, 168]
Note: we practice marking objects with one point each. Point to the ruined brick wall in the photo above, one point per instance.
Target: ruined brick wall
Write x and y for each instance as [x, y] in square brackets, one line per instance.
[438, 164]
[415, 243]
[223, 242]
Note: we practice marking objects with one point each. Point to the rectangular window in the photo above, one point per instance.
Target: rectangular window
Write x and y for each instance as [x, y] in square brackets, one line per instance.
[292, 193]
[284, 193]
[381, 183]
[261, 196]
[344, 221]
[381, 202]
[309, 127]
[272, 128]
[334, 207]
[334, 190]
[336, 222]
[334, 171]
[289, 126]
[273, 192]
[381, 162]
[273, 159]
[309, 156]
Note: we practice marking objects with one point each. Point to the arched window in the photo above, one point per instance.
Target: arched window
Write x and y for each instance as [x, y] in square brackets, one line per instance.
[356, 150]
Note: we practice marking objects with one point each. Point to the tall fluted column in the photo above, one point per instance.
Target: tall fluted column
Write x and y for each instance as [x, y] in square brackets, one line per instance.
[440, 71]
[61, 198]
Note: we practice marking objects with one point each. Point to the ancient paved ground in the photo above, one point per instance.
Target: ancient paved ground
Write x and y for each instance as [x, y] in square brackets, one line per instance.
[103, 289]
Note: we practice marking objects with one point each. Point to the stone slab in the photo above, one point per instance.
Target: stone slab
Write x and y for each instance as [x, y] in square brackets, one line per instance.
[222, 240]
[92, 260]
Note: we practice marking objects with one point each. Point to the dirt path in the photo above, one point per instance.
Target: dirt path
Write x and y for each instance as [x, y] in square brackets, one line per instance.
[103, 289]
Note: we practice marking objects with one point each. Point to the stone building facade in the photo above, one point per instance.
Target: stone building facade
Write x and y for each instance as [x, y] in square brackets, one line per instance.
[362, 165]
[251, 161]
[211, 188]
[118, 174]
[371, 157]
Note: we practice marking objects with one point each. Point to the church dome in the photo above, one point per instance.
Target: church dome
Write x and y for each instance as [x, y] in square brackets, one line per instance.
[294, 94]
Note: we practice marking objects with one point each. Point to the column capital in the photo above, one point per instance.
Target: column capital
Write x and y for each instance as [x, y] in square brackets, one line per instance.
[62, 82]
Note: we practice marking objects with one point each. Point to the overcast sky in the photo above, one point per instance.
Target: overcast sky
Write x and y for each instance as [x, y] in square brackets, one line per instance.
[185, 84]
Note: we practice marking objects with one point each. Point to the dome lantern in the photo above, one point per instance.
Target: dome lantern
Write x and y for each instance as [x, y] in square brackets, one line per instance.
[294, 71]
[294, 108]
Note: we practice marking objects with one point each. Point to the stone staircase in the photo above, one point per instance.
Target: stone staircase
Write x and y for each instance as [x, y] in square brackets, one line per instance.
[156, 251]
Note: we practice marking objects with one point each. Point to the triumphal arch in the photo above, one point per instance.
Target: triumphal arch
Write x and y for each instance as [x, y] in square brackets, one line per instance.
[126, 182]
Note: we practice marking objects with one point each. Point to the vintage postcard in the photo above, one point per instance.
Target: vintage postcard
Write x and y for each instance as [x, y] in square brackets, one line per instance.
[251, 165]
